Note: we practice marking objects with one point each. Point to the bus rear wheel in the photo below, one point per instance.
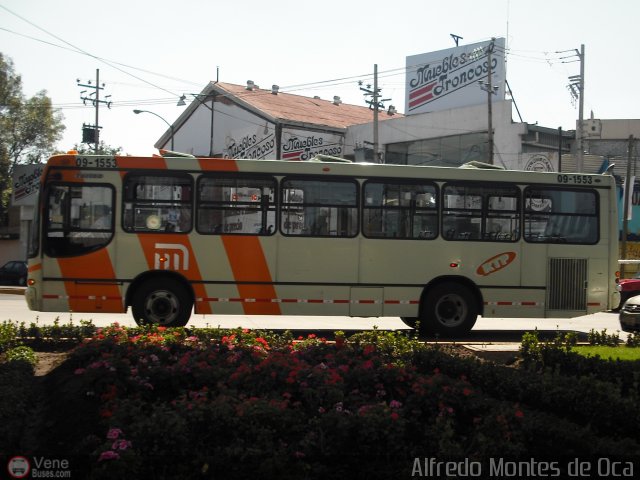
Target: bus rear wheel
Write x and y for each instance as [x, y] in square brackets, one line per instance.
[162, 302]
[449, 309]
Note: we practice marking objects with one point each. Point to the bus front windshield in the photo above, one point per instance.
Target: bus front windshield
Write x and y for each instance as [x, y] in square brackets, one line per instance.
[79, 219]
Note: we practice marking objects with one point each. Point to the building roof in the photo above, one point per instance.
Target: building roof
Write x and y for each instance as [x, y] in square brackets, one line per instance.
[287, 107]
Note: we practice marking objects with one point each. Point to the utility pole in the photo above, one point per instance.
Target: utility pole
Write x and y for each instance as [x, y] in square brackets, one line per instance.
[559, 149]
[376, 104]
[491, 90]
[576, 89]
[580, 132]
[375, 113]
[628, 192]
[91, 133]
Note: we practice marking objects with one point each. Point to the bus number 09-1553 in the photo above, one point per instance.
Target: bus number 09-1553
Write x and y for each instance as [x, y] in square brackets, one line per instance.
[84, 162]
[575, 179]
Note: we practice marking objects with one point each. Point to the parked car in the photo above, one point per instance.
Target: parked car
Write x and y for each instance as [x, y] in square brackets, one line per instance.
[13, 273]
[630, 315]
[628, 287]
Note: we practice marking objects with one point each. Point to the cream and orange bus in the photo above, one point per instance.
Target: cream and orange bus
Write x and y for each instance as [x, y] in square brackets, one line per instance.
[174, 234]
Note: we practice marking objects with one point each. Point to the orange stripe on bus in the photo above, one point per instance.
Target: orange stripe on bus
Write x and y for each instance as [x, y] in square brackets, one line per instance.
[164, 252]
[107, 296]
[35, 268]
[141, 162]
[249, 264]
[218, 164]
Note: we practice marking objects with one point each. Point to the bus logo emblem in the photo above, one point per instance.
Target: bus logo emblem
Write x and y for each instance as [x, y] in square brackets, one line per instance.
[498, 262]
[171, 256]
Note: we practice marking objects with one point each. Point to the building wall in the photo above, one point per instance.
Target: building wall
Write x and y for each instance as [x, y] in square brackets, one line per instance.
[507, 135]
[240, 133]
[11, 250]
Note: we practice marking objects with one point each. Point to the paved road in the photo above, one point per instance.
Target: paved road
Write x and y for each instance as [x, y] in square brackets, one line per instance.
[13, 307]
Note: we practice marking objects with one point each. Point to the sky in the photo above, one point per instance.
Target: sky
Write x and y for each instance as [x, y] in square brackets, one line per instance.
[149, 53]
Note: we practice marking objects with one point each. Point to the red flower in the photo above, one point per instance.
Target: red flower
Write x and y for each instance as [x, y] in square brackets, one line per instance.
[369, 349]
[519, 414]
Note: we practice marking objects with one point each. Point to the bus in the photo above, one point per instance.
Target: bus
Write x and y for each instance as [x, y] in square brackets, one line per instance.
[173, 234]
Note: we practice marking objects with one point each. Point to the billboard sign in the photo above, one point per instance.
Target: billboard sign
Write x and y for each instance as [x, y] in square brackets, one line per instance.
[256, 143]
[449, 78]
[305, 144]
[26, 184]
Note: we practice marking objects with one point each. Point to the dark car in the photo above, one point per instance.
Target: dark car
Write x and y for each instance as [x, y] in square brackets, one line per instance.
[630, 315]
[13, 273]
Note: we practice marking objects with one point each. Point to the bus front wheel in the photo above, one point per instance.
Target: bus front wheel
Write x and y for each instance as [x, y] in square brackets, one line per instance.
[450, 309]
[162, 302]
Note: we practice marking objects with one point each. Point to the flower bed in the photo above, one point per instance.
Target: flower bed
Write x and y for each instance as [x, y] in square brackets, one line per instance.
[169, 403]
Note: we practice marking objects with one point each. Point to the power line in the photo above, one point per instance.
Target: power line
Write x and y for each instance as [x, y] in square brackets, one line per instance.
[84, 52]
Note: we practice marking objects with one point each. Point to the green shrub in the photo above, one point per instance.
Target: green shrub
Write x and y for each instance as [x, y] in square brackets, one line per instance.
[633, 340]
[22, 354]
[603, 338]
[8, 335]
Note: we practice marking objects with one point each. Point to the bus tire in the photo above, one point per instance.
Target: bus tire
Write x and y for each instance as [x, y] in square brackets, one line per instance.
[410, 321]
[162, 302]
[449, 309]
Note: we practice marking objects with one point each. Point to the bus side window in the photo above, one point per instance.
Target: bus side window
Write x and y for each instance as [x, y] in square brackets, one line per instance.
[319, 207]
[561, 215]
[473, 211]
[157, 203]
[236, 205]
[398, 210]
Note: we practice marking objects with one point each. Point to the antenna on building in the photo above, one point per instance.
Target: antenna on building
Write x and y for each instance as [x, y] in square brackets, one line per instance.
[456, 38]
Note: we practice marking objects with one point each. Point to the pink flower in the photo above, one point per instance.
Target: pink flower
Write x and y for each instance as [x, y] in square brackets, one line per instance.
[120, 445]
[114, 433]
[79, 371]
[108, 455]
[395, 404]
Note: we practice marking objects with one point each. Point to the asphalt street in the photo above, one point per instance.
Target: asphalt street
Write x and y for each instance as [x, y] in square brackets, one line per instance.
[13, 307]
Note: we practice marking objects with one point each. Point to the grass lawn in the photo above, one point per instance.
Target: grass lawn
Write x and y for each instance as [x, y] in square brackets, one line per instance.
[615, 353]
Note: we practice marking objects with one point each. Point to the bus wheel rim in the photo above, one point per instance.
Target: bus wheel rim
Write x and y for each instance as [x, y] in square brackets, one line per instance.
[451, 310]
[161, 307]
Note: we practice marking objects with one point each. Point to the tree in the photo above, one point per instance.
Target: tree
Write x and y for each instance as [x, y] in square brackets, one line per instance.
[103, 149]
[29, 129]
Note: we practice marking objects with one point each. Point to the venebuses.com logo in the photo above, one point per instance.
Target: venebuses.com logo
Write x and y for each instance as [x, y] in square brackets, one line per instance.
[38, 467]
[18, 467]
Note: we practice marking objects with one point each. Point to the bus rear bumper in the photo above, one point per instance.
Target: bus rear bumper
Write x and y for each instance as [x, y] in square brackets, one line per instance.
[31, 296]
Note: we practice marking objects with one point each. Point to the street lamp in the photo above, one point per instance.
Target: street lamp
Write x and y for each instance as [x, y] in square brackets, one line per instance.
[170, 126]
